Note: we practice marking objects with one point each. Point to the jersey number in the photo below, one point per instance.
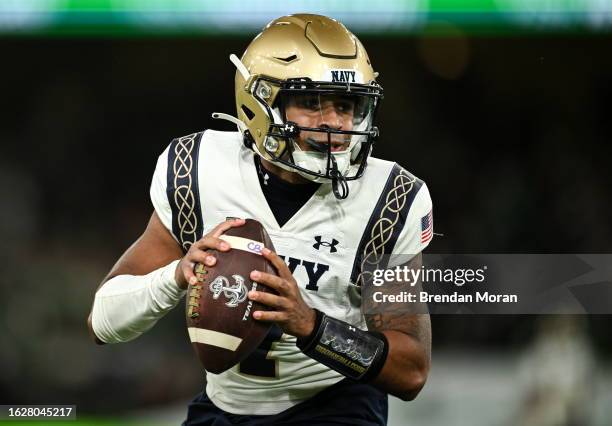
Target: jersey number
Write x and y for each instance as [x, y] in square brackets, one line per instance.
[258, 363]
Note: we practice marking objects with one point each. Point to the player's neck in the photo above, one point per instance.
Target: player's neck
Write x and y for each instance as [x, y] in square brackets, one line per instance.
[285, 175]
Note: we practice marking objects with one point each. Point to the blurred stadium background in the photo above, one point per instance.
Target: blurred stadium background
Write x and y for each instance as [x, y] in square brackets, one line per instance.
[502, 106]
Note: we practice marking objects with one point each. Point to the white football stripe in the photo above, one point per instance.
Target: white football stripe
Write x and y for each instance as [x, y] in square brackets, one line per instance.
[214, 338]
[245, 244]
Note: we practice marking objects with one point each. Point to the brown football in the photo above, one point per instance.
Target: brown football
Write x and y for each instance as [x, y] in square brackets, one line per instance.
[219, 313]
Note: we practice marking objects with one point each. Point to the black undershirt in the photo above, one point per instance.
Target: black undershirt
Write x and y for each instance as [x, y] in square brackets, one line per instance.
[284, 198]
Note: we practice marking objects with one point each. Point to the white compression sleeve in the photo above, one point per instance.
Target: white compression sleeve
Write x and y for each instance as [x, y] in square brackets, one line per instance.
[128, 305]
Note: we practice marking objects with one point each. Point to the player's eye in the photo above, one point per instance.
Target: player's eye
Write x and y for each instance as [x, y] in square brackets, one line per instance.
[344, 106]
[308, 102]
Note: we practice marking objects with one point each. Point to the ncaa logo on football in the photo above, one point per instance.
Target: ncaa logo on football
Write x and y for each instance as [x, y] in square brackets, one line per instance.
[235, 293]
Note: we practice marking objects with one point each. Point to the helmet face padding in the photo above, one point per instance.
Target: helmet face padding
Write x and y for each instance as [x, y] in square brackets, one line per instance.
[313, 54]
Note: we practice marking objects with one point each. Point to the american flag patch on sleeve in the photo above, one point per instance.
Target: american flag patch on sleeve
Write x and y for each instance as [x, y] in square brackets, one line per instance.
[426, 227]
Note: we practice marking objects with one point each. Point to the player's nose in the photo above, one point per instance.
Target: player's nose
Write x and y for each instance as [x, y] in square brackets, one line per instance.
[330, 118]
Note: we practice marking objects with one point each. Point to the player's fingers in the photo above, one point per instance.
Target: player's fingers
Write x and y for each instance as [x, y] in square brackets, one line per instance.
[274, 316]
[277, 283]
[268, 299]
[277, 262]
[200, 256]
[187, 269]
[224, 226]
[210, 242]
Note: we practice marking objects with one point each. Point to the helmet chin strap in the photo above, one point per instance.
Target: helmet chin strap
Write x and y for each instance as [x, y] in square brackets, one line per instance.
[239, 123]
[339, 183]
[243, 128]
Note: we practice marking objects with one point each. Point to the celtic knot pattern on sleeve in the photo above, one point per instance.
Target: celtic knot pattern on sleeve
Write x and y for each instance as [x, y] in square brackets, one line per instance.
[382, 231]
[183, 192]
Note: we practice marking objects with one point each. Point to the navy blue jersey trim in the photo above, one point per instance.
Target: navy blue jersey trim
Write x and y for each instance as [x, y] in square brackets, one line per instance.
[387, 219]
[182, 189]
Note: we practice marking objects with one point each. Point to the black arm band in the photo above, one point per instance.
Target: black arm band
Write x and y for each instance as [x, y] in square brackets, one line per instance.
[355, 353]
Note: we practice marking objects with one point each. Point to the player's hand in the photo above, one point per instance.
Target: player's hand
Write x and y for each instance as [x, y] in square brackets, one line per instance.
[290, 311]
[184, 274]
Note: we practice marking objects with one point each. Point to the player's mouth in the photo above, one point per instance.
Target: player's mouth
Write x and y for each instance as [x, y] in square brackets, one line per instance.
[338, 146]
[335, 146]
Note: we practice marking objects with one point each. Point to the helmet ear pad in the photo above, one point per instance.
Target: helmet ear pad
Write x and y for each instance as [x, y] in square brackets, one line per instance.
[258, 116]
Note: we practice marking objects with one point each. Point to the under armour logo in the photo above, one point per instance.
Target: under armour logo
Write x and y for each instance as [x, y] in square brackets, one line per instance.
[291, 129]
[332, 245]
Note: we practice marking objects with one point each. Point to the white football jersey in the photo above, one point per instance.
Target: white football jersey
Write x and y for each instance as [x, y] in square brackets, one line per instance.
[204, 178]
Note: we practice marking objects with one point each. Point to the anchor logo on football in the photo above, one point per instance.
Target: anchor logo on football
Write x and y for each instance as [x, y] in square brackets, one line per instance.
[236, 293]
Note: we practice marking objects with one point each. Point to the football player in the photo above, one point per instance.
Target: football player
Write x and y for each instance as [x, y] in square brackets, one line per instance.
[306, 98]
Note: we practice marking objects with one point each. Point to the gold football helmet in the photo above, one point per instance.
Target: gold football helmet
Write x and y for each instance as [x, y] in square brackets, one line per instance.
[315, 63]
